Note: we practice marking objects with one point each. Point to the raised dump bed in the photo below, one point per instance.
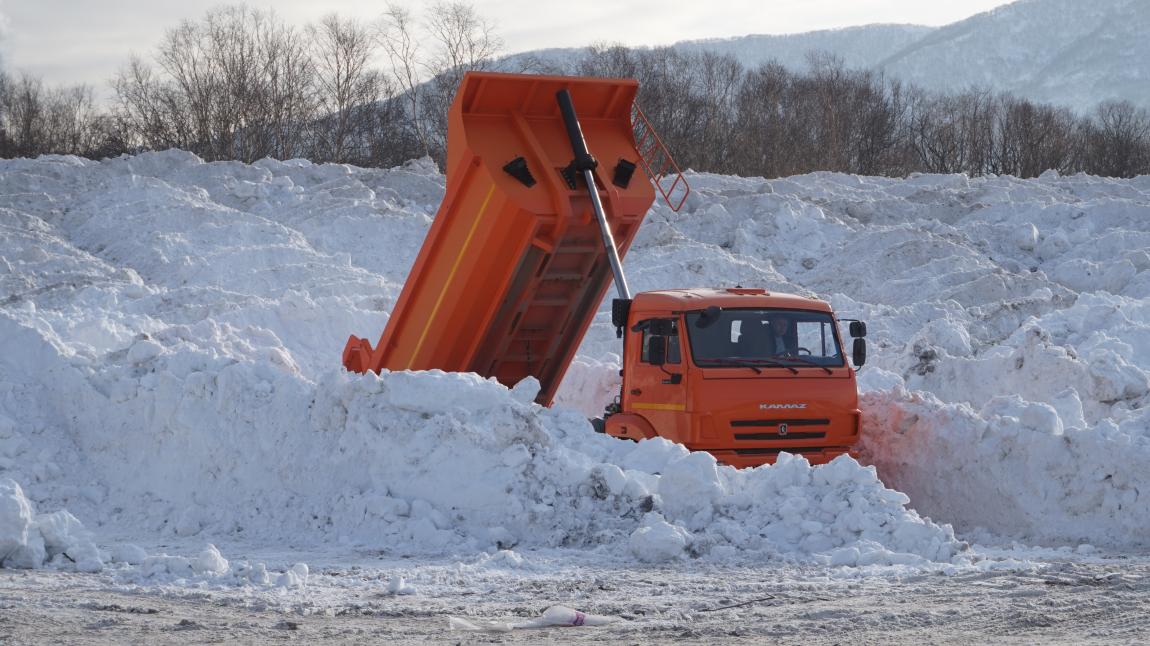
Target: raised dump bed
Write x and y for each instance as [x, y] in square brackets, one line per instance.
[513, 267]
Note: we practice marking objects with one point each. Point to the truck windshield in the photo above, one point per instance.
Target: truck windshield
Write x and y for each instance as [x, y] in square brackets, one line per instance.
[739, 337]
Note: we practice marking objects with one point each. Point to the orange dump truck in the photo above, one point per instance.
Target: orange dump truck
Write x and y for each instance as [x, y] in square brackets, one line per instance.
[548, 180]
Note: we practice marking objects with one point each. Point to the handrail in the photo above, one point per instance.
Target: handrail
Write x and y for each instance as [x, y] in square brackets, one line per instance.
[652, 151]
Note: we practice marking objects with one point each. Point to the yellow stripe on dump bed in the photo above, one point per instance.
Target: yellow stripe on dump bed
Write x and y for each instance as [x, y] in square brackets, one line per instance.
[450, 277]
[642, 406]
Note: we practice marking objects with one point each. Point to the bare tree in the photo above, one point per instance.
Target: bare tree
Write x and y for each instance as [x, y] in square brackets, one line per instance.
[238, 84]
[607, 60]
[289, 93]
[1116, 141]
[7, 148]
[1031, 138]
[397, 34]
[954, 134]
[759, 120]
[241, 84]
[27, 125]
[880, 109]
[157, 114]
[36, 119]
[671, 96]
[70, 117]
[463, 40]
[717, 83]
[347, 88]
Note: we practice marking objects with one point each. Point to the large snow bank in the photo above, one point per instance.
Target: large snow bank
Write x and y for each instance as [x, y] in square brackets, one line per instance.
[1009, 320]
[169, 346]
[1014, 467]
[437, 463]
[31, 541]
[170, 334]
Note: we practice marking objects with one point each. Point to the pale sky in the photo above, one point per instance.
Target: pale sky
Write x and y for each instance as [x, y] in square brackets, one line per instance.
[86, 41]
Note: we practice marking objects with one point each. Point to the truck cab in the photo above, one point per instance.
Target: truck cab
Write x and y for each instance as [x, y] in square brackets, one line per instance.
[741, 373]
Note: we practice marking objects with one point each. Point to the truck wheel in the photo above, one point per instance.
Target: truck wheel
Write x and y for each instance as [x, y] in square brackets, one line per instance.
[598, 424]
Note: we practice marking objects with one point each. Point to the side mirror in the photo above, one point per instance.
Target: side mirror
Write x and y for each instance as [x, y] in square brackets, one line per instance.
[620, 310]
[858, 329]
[656, 350]
[708, 317]
[859, 357]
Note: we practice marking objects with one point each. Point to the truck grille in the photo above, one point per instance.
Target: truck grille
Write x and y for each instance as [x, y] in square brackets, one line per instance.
[798, 435]
[777, 423]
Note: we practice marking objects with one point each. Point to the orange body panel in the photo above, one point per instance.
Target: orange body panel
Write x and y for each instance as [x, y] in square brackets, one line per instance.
[509, 276]
[630, 426]
[734, 412]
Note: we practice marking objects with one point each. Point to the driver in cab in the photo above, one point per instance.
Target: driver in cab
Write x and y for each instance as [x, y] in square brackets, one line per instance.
[783, 341]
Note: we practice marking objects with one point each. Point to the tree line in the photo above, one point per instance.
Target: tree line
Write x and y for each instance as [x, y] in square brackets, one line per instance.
[716, 115]
[241, 84]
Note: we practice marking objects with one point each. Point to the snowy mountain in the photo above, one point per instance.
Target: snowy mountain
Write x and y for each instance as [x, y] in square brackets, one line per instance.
[865, 46]
[1066, 52]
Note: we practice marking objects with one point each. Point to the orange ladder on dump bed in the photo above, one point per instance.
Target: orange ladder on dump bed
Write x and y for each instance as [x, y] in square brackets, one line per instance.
[513, 267]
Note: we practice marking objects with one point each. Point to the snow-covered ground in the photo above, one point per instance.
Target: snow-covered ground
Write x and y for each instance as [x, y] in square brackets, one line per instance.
[170, 334]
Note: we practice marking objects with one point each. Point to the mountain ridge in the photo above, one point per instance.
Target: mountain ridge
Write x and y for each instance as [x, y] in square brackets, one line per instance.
[1064, 52]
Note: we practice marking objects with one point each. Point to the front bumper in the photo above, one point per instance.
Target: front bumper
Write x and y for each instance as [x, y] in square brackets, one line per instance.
[741, 458]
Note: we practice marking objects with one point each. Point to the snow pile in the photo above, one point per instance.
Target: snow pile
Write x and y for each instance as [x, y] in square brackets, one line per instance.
[210, 566]
[1021, 472]
[132, 564]
[490, 468]
[1021, 308]
[169, 362]
[30, 540]
[171, 340]
[58, 540]
[433, 463]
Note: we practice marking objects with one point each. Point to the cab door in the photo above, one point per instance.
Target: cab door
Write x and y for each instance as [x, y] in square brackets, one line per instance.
[658, 393]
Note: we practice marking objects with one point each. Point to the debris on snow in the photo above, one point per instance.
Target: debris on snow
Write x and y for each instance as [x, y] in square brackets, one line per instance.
[399, 586]
[554, 616]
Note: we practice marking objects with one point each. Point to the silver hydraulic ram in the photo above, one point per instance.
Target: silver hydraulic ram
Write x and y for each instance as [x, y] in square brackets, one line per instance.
[585, 164]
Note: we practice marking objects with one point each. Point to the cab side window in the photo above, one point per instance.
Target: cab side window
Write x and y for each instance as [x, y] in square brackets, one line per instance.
[673, 353]
[819, 338]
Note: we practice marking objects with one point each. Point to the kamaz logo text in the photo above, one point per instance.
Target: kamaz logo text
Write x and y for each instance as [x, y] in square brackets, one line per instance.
[781, 406]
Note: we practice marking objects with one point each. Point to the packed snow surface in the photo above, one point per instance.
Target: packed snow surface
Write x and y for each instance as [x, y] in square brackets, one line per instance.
[169, 366]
